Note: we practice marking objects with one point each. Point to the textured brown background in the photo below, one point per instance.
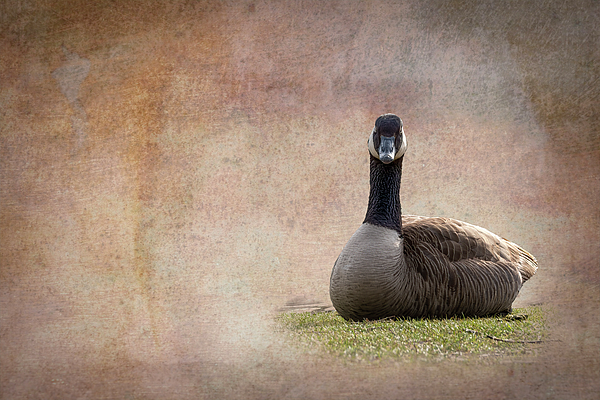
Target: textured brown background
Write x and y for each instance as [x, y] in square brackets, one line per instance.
[173, 173]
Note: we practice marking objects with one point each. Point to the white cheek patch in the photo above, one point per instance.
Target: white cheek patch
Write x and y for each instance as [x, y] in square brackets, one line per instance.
[372, 146]
[402, 148]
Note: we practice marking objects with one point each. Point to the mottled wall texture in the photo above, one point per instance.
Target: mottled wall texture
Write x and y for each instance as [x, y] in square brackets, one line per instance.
[173, 173]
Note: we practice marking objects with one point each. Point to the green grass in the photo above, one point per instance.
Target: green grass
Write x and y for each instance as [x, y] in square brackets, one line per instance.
[409, 338]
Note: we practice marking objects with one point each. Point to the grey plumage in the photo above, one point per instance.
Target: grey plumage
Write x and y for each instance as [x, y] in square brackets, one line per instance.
[422, 266]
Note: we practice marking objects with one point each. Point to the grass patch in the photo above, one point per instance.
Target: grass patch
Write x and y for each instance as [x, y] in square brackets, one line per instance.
[407, 338]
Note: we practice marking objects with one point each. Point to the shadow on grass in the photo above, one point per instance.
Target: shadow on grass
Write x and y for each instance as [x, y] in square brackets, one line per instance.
[519, 333]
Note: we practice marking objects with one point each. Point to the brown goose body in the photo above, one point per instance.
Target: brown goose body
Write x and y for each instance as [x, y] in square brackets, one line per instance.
[421, 266]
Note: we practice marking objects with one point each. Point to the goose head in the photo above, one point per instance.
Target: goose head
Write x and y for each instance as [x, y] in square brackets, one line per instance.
[387, 142]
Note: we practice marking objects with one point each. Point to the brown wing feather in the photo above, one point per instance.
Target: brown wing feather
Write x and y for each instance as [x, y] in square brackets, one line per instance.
[459, 268]
[460, 242]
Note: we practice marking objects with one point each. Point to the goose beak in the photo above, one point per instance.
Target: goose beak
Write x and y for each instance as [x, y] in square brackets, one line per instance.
[387, 149]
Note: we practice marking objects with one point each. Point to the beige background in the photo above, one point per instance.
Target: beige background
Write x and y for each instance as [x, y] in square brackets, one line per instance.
[173, 173]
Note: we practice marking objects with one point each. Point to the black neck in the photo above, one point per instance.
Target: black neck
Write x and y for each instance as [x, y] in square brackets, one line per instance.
[384, 199]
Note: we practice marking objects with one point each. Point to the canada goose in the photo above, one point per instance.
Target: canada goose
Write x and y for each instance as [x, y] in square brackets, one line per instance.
[414, 266]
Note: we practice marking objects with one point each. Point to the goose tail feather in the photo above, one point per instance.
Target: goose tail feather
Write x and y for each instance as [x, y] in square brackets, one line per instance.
[527, 265]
